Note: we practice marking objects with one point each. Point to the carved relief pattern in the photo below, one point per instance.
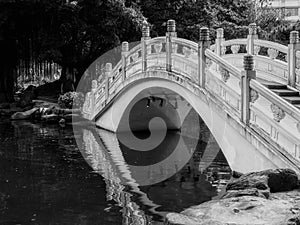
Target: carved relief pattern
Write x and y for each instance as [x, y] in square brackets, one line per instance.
[158, 47]
[223, 50]
[273, 53]
[87, 102]
[256, 49]
[135, 56]
[297, 62]
[208, 62]
[278, 113]
[186, 51]
[174, 47]
[298, 127]
[235, 49]
[224, 74]
[253, 96]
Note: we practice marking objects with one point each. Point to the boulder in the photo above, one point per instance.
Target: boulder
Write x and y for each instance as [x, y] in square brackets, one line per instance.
[24, 115]
[27, 96]
[3, 199]
[243, 210]
[52, 118]
[274, 179]
[4, 105]
[247, 192]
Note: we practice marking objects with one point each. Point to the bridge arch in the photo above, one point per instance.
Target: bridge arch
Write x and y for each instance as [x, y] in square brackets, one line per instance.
[235, 146]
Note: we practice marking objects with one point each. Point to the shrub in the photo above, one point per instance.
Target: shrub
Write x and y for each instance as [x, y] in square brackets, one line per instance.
[71, 99]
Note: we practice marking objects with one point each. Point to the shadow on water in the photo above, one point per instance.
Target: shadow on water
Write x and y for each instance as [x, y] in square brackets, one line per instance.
[48, 177]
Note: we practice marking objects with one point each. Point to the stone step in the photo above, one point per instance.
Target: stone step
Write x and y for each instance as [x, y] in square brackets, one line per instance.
[285, 92]
[293, 99]
[276, 86]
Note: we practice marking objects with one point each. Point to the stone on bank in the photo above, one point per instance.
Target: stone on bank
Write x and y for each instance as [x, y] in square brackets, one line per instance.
[270, 197]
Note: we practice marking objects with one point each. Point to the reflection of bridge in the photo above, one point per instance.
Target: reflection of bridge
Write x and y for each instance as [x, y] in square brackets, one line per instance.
[250, 103]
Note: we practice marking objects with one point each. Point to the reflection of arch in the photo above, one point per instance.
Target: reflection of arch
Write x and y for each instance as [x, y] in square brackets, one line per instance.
[231, 136]
[114, 173]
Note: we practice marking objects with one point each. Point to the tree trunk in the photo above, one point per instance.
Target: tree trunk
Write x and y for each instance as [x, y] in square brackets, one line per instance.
[8, 58]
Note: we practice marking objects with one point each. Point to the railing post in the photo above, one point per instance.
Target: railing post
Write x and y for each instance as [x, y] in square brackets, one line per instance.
[247, 75]
[108, 69]
[124, 54]
[219, 41]
[203, 44]
[93, 98]
[292, 48]
[171, 32]
[144, 40]
[251, 37]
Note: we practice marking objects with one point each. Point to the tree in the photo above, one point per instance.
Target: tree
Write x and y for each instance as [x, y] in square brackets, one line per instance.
[72, 34]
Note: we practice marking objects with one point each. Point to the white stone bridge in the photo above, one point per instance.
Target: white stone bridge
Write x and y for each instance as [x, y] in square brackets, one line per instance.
[245, 90]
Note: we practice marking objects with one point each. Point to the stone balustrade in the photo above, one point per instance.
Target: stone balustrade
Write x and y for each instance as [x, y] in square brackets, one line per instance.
[223, 71]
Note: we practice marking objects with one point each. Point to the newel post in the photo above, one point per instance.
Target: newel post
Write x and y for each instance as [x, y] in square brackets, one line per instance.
[292, 48]
[204, 43]
[93, 99]
[108, 69]
[248, 74]
[124, 55]
[219, 41]
[171, 32]
[251, 37]
[144, 40]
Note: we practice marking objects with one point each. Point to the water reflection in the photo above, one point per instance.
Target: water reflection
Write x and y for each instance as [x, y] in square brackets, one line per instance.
[187, 168]
[45, 180]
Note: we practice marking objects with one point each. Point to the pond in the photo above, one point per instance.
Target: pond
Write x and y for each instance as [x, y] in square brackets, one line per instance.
[60, 175]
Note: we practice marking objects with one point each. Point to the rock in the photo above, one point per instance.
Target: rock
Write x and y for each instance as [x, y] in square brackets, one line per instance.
[243, 210]
[246, 192]
[27, 96]
[62, 121]
[4, 105]
[3, 198]
[23, 115]
[276, 180]
[236, 174]
[52, 118]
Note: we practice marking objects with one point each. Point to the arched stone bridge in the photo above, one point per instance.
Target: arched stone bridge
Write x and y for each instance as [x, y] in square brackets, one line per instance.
[245, 90]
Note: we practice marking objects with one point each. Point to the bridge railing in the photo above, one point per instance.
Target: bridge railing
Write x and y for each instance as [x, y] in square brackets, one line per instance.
[274, 119]
[197, 67]
[273, 61]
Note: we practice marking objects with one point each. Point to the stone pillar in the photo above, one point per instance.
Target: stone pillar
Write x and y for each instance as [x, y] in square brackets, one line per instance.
[171, 32]
[93, 99]
[144, 40]
[292, 48]
[219, 41]
[251, 37]
[124, 55]
[108, 69]
[248, 74]
[204, 43]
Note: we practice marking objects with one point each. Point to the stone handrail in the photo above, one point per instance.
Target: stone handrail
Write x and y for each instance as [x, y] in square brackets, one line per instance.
[223, 63]
[275, 99]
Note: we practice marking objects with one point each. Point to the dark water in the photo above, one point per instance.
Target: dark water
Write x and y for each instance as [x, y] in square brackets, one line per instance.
[47, 177]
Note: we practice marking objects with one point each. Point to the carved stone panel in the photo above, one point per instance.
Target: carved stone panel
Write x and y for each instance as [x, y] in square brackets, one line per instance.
[186, 51]
[278, 113]
[235, 49]
[223, 50]
[224, 74]
[273, 53]
[253, 96]
[158, 47]
[256, 49]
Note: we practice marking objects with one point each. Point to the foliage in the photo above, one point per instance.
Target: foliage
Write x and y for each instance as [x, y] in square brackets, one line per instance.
[71, 99]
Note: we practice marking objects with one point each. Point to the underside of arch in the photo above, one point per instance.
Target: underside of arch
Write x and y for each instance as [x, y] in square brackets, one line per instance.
[243, 150]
